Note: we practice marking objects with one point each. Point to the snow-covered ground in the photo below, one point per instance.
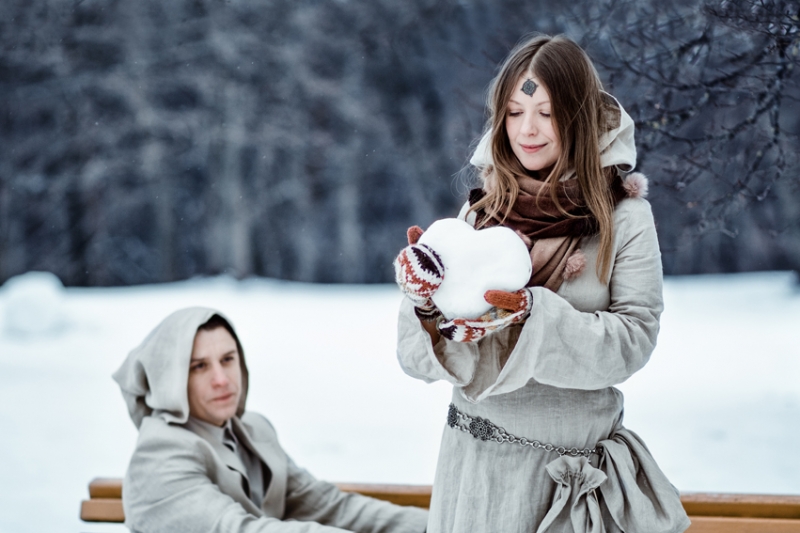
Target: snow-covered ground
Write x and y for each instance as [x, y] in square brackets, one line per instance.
[719, 403]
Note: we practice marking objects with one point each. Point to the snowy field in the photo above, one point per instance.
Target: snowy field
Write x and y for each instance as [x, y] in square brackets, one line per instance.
[718, 405]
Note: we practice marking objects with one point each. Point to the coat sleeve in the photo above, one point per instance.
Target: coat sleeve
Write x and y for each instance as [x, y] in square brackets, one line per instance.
[454, 362]
[450, 361]
[167, 489]
[310, 499]
[564, 347]
[559, 345]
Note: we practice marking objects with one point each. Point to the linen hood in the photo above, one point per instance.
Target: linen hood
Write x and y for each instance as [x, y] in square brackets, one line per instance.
[155, 375]
[617, 147]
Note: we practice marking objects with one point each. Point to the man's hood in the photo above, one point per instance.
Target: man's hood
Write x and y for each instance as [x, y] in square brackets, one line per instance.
[155, 375]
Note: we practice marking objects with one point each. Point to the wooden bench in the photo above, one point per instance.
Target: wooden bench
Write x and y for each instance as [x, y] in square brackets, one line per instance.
[710, 513]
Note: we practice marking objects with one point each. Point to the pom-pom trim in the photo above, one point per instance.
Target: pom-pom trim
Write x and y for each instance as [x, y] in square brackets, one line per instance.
[635, 184]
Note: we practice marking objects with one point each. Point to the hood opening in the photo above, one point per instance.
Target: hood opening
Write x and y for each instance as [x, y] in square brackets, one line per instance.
[154, 377]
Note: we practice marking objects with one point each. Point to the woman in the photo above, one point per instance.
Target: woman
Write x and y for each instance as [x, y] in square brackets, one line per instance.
[534, 440]
[203, 463]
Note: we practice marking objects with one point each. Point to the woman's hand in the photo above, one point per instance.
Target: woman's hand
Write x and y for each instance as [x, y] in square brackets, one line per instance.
[509, 308]
[418, 271]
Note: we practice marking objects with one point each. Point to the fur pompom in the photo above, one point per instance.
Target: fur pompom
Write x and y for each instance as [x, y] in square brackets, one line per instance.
[635, 184]
[575, 265]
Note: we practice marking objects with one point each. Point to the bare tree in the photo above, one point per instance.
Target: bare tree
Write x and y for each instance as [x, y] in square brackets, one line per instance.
[150, 141]
[713, 92]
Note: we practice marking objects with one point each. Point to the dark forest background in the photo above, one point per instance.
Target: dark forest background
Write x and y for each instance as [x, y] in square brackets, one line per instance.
[145, 141]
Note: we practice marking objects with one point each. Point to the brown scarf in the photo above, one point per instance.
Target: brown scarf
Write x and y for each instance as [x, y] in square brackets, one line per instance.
[555, 236]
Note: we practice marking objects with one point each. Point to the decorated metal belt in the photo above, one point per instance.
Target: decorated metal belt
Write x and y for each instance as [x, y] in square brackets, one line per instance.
[483, 429]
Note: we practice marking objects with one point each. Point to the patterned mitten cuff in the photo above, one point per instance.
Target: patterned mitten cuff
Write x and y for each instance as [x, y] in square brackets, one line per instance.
[428, 312]
[510, 308]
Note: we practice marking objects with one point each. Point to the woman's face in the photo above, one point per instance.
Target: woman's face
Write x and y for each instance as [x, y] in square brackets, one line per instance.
[531, 132]
[215, 376]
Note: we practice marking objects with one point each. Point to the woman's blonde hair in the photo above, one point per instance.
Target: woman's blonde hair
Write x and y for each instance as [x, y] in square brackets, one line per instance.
[580, 114]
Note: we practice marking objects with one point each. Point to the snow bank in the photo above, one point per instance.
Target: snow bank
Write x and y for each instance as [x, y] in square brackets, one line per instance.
[33, 304]
[718, 403]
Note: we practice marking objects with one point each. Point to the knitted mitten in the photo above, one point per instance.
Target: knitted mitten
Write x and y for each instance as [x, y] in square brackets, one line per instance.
[419, 272]
[509, 308]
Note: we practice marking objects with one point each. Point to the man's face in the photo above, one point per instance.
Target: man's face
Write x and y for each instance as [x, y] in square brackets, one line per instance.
[215, 377]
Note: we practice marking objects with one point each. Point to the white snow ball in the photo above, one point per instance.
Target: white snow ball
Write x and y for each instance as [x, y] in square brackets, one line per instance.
[475, 261]
[33, 303]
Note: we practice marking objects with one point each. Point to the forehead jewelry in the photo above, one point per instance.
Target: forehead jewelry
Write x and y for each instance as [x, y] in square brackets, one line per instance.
[529, 87]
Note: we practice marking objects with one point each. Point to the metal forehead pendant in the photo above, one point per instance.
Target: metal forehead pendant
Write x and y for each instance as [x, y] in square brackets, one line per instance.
[529, 87]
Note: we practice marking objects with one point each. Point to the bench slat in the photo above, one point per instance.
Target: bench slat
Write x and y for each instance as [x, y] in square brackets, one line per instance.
[743, 505]
[710, 513]
[723, 524]
[102, 510]
[105, 487]
[416, 495]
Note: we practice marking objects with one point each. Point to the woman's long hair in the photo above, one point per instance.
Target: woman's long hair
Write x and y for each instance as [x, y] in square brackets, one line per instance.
[579, 113]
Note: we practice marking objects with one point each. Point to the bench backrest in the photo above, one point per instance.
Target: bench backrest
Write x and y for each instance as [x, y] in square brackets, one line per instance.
[710, 513]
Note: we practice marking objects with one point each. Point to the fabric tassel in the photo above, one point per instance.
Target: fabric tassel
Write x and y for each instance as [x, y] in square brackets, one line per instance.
[575, 265]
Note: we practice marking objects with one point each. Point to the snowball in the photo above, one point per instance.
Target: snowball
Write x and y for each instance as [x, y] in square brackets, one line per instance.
[33, 303]
[475, 261]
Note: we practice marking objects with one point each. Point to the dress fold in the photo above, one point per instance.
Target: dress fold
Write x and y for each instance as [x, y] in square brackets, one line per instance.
[637, 494]
[575, 504]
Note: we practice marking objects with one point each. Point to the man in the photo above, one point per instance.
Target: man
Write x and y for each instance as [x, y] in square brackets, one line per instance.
[202, 463]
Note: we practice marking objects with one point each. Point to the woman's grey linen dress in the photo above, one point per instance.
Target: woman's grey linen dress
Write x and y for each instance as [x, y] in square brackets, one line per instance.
[552, 379]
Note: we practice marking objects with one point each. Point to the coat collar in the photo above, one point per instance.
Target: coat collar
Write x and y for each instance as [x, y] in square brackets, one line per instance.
[266, 447]
[263, 443]
[213, 435]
